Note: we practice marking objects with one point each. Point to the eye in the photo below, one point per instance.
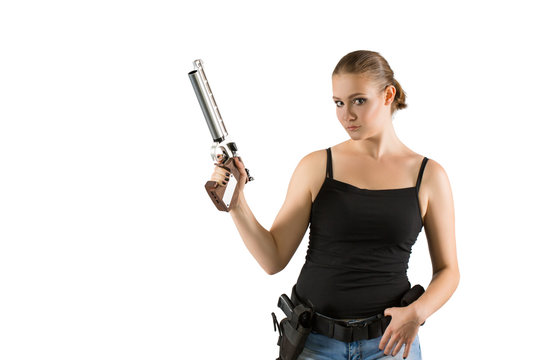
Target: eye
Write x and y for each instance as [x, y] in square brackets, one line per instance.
[360, 102]
[363, 100]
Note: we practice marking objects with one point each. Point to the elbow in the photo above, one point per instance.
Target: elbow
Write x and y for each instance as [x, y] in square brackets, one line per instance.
[452, 273]
[273, 269]
[273, 264]
[456, 275]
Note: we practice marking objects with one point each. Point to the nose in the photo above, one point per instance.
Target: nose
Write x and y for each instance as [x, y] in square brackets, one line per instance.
[347, 114]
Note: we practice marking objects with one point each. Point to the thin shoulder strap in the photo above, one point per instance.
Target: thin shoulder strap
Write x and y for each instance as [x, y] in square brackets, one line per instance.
[329, 163]
[420, 173]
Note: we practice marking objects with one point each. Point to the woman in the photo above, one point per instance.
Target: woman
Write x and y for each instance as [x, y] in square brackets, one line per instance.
[366, 208]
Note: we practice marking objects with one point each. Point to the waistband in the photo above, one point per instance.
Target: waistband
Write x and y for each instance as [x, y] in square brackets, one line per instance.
[346, 330]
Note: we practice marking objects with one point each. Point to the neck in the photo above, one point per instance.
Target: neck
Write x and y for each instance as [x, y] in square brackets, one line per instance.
[380, 145]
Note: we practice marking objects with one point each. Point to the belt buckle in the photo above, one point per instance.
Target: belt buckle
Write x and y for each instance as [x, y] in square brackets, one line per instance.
[357, 323]
[362, 322]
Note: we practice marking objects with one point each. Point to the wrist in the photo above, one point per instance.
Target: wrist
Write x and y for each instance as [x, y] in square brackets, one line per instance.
[417, 312]
[236, 203]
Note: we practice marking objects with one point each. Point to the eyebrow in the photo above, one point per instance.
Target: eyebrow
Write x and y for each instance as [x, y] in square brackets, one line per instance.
[334, 97]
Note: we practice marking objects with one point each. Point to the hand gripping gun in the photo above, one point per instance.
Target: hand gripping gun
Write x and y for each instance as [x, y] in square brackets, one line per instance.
[221, 195]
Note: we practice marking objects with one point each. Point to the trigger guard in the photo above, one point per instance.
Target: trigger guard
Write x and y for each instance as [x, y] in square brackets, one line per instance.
[215, 155]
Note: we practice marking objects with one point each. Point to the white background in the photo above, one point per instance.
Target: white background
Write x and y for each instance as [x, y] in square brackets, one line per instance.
[109, 245]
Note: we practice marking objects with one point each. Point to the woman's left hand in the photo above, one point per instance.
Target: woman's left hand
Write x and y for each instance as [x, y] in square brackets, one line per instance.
[402, 329]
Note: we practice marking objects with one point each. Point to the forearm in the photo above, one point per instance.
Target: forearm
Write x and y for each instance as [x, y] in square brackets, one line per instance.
[257, 239]
[440, 289]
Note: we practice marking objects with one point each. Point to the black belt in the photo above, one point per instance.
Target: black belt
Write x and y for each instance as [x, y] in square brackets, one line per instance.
[347, 330]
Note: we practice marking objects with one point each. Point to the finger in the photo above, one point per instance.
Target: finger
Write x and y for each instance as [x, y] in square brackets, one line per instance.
[239, 164]
[220, 167]
[398, 347]
[387, 332]
[407, 349]
[384, 339]
[219, 182]
[222, 171]
[220, 179]
[390, 345]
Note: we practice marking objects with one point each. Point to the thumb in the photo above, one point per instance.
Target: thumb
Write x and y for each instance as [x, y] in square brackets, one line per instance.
[240, 166]
[238, 163]
[388, 312]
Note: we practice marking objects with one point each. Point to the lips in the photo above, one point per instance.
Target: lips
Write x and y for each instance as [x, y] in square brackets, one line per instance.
[352, 127]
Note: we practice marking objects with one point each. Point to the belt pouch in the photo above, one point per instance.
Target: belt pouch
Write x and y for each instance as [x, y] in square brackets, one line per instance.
[412, 295]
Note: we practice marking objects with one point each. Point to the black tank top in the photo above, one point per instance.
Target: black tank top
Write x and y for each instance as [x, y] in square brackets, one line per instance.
[360, 241]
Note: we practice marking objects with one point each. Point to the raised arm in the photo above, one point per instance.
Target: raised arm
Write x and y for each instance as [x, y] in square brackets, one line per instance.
[274, 248]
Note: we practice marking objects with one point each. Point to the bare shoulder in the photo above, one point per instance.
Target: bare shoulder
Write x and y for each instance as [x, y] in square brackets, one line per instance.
[434, 184]
[434, 172]
[314, 159]
[436, 180]
[314, 167]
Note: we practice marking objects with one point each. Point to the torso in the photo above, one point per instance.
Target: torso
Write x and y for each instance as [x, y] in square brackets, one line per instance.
[400, 171]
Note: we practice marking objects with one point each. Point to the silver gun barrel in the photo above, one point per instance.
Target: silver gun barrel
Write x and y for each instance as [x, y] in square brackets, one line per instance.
[207, 102]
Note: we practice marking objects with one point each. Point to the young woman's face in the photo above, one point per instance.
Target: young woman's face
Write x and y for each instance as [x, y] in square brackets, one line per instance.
[360, 104]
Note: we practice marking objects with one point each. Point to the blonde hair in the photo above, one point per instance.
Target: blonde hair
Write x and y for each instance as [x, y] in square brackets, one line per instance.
[376, 67]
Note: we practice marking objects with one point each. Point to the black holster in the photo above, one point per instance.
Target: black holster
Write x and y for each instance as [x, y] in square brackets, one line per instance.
[293, 329]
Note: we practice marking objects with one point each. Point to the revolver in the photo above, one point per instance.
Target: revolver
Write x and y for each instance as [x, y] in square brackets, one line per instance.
[221, 195]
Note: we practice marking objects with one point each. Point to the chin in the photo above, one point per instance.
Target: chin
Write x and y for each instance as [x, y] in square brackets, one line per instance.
[357, 137]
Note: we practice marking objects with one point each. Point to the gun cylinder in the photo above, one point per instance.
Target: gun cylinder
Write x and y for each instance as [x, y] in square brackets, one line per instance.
[207, 102]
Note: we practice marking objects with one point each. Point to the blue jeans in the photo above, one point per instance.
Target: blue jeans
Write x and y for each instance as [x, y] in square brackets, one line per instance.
[321, 347]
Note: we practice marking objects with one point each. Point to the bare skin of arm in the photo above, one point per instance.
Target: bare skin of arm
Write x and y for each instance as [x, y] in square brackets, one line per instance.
[439, 226]
[274, 248]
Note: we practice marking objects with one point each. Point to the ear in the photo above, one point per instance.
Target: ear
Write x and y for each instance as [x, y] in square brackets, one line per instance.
[389, 94]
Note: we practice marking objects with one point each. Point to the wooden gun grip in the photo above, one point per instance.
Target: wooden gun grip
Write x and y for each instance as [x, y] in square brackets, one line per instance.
[216, 191]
